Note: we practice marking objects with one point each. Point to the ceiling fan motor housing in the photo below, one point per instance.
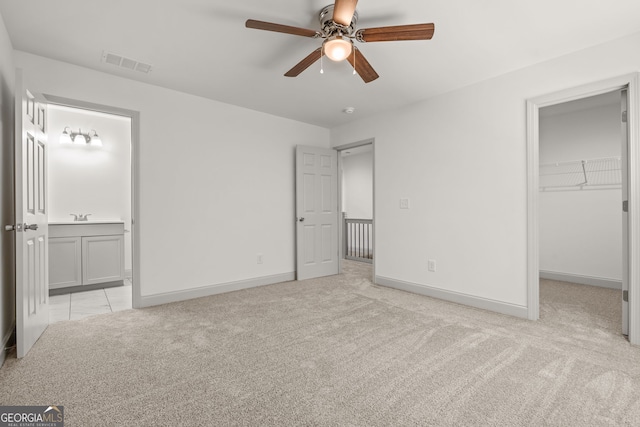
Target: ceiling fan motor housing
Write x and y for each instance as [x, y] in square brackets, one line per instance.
[330, 28]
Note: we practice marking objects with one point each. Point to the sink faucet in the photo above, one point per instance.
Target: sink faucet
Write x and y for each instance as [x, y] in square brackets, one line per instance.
[80, 217]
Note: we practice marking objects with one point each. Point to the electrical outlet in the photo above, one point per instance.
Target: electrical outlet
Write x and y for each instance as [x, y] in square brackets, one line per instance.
[259, 258]
[404, 203]
[431, 265]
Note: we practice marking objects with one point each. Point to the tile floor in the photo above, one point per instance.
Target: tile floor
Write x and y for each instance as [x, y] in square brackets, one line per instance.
[88, 303]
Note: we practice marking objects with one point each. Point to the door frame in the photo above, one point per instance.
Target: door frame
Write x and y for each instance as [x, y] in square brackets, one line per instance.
[339, 148]
[533, 105]
[136, 293]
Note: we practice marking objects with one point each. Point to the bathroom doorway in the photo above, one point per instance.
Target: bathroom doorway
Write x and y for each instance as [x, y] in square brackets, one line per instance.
[90, 193]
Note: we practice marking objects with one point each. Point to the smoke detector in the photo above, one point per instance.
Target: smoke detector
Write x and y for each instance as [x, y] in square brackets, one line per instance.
[349, 110]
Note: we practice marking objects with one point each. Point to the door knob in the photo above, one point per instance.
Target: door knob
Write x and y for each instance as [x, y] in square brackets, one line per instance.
[301, 219]
[21, 227]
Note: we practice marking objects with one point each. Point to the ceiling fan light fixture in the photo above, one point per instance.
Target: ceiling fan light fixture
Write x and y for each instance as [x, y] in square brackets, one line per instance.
[337, 48]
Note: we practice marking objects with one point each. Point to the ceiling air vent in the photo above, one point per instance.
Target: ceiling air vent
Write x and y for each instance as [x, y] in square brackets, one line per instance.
[121, 61]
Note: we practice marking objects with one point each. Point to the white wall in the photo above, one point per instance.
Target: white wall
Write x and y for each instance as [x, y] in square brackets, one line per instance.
[216, 180]
[459, 157]
[91, 180]
[7, 215]
[461, 160]
[581, 230]
[357, 185]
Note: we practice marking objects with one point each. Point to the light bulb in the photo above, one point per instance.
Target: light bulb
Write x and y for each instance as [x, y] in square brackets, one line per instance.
[65, 138]
[79, 139]
[95, 140]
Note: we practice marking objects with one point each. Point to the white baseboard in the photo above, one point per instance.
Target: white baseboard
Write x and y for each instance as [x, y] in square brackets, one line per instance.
[205, 291]
[583, 280]
[459, 298]
[5, 343]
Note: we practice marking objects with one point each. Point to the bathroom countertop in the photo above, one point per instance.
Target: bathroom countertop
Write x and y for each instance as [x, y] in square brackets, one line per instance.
[92, 221]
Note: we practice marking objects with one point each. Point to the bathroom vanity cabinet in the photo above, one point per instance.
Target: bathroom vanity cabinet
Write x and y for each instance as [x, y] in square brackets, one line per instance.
[86, 253]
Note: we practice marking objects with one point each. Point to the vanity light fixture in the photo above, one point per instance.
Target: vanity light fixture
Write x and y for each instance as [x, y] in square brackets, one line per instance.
[70, 137]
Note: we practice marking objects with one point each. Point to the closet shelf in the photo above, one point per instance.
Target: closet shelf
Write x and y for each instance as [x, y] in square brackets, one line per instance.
[592, 174]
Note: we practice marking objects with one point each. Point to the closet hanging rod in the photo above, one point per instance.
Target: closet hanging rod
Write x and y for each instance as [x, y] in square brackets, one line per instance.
[574, 162]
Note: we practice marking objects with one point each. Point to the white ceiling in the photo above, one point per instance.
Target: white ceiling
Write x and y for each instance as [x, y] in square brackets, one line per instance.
[202, 47]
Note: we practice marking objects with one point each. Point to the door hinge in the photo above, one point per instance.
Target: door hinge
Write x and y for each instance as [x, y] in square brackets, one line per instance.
[624, 117]
[625, 296]
[625, 206]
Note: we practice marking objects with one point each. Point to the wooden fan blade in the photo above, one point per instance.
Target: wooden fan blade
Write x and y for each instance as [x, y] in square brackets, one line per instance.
[395, 33]
[362, 66]
[343, 11]
[279, 28]
[305, 63]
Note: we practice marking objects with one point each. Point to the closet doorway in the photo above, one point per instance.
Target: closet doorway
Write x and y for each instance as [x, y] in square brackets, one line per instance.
[580, 218]
[629, 209]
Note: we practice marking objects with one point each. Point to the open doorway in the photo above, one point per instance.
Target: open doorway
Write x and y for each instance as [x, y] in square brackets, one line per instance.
[580, 221]
[629, 85]
[356, 202]
[90, 212]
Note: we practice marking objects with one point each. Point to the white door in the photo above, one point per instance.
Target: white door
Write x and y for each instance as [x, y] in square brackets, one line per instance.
[625, 215]
[316, 212]
[31, 228]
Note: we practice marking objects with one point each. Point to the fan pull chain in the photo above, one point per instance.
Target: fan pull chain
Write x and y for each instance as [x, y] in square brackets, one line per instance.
[321, 55]
[354, 60]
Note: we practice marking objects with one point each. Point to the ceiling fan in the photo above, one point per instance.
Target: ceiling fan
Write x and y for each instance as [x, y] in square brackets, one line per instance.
[338, 29]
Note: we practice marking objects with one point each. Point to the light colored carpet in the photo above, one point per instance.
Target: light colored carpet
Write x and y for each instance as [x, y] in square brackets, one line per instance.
[335, 351]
